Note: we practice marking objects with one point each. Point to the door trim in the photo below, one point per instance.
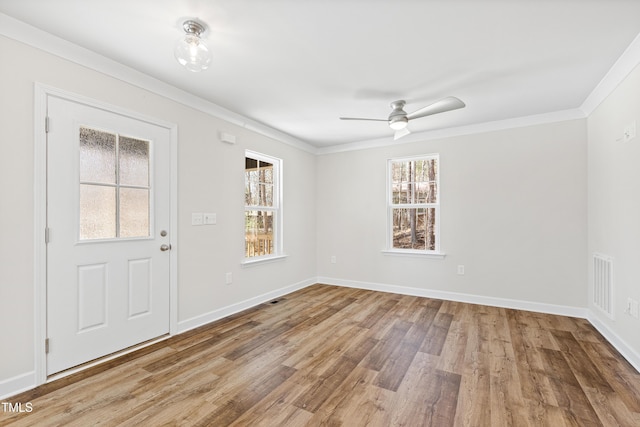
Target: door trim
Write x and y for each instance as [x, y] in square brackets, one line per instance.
[41, 95]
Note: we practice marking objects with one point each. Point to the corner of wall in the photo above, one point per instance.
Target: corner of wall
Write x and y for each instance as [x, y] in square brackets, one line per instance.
[629, 59]
[623, 348]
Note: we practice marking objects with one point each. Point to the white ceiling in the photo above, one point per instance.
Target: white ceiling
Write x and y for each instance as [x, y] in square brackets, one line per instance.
[297, 65]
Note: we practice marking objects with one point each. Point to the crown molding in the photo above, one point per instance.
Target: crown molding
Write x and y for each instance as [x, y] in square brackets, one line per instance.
[627, 62]
[39, 39]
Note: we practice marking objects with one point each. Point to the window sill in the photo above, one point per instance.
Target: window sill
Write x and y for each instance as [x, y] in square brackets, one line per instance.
[249, 262]
[418, 254]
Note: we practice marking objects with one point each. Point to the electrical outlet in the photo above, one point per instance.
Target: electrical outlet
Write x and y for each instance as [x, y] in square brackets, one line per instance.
[333, 259]
[461, 270]
[229, 278]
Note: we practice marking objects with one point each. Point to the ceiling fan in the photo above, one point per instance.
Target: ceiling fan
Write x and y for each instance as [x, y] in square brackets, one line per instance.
[399, 118]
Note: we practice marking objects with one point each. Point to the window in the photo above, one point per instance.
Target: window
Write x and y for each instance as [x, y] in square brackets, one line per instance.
[114, 186]
[262, 211]
[414, 205]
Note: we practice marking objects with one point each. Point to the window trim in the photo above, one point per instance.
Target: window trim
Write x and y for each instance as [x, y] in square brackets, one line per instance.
[278, 246]
[264, 259]
[390, 250]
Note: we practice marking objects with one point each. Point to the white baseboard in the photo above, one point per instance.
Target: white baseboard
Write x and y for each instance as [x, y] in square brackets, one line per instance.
[623, 348]
[562, 310]
[212, 316]
[17, 384]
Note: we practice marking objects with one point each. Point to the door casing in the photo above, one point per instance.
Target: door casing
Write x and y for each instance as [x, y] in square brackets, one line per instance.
[42, 94]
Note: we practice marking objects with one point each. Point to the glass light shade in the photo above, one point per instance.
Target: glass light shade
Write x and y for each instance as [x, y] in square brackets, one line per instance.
[398, 123]
[192, 53]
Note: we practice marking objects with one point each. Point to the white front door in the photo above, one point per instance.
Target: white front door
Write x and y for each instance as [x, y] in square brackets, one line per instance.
[108, 217]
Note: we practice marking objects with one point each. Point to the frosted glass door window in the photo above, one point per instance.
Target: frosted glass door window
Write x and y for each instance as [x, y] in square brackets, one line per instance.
[97, 156]
[97, 212]
[133, 160]
[114, 186]
[134, 212]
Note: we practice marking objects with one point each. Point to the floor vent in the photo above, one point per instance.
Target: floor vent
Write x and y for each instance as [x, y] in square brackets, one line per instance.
[603, 283]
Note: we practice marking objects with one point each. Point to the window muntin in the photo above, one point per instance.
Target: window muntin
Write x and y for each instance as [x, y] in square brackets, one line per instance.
[262, 206]
[414, 204]
[115, 186]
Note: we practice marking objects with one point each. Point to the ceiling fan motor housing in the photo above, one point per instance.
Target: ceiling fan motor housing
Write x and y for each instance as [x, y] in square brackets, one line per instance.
[398, 117]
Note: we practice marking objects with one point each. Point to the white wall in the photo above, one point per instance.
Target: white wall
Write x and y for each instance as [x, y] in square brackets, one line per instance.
[614, 204]
[16, 212]
[513, 211]
[514, 208]
[211, 179]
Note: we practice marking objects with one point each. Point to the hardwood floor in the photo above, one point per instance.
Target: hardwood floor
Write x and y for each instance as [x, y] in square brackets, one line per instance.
[336, 356]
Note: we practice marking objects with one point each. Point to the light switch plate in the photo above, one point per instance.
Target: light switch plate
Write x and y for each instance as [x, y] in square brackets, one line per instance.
[196, 219]
[209, 218]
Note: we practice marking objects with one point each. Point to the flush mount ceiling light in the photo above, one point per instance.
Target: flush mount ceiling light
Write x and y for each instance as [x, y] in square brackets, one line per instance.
[191, 51]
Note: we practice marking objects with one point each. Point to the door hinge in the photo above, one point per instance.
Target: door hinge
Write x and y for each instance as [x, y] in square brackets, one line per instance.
[46, 124]
[46, 345]
[46, 235]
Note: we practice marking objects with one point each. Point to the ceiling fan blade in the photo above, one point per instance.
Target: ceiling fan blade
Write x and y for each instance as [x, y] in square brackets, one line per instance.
[360, 118]
[445, 104]
[400, 133]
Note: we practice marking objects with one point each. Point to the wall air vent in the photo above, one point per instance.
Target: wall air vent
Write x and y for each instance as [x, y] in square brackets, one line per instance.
[603, 283]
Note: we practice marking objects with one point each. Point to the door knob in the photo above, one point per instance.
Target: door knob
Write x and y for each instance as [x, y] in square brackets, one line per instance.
[164, 248]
